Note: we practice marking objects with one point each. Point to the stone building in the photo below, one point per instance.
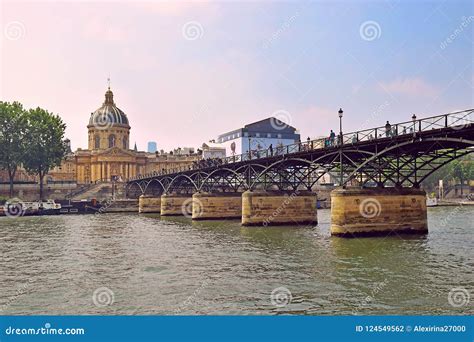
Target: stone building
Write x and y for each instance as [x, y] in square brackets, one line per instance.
[109, 155]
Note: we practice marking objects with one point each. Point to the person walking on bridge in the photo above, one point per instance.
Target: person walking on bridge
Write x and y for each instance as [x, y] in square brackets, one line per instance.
[270, 149]
[332, 137]
[388, 129]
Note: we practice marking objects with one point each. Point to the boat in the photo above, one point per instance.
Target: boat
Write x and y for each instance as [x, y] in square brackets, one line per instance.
[49, 207]
[79, 207]
[431, 201]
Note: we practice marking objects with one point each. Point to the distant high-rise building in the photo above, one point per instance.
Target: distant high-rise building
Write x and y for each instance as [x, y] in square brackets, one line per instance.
[152, 147]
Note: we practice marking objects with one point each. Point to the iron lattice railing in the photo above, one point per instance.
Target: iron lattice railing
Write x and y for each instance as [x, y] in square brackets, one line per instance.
[454, 120]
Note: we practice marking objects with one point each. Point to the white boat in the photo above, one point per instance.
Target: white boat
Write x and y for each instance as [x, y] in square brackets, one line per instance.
[431, 201]
[49, 207]
[49, 204]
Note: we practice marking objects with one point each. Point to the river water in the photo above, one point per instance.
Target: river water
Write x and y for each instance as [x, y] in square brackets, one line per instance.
[143, 264]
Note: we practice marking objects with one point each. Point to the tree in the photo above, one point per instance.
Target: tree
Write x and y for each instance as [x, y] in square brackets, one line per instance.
[461, 170]
[13, 125]
[46, 147]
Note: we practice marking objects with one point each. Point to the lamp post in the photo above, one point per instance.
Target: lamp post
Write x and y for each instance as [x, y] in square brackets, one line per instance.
[413, 118]
[341, 180]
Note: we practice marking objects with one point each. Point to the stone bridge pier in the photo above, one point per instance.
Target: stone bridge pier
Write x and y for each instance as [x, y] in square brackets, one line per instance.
[175, 204]
[378, 211]
[271, 208]
[149, 204]
[217, 205]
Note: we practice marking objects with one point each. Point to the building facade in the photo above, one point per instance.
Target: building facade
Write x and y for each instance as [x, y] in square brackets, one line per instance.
[108, 155]
[258, 136]
[213, 150]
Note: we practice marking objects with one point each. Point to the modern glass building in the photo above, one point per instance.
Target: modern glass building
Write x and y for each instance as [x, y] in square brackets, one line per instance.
[151, 147]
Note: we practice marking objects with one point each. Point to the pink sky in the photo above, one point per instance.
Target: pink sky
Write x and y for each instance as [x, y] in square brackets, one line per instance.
[249, 60]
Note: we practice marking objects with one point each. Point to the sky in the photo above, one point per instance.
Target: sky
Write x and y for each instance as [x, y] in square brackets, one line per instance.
[185, 72]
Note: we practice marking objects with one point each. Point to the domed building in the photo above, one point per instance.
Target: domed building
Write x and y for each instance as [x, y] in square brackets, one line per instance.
[108, 126]
[109, 156]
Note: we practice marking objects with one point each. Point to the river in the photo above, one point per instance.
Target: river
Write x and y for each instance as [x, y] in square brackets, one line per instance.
[145, 265]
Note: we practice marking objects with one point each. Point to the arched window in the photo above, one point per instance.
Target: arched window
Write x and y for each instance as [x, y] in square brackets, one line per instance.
[124, 143]
[96, 141]
[111, 140]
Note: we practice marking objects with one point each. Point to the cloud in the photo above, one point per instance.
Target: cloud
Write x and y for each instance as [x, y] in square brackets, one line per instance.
[413, 86]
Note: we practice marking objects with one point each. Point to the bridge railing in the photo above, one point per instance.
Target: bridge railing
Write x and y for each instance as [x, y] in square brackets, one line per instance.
[455, 120]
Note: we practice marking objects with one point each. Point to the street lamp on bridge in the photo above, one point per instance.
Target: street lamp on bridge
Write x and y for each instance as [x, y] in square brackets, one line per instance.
[341, 141]
[413, 118]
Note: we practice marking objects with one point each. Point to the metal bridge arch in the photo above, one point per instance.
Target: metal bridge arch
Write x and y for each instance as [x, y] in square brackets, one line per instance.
[456, 152]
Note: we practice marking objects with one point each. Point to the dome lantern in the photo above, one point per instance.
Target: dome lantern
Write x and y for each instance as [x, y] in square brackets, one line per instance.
[109, 98]
[108, 115]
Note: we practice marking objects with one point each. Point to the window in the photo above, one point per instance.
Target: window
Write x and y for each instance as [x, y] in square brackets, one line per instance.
[246, 134]
[97, 141]
[124, 143]
[279, 136]
[257, 135]
[111, 140]
[269, 135]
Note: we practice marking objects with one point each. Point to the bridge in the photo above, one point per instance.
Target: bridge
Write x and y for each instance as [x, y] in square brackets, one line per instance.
[378, 171]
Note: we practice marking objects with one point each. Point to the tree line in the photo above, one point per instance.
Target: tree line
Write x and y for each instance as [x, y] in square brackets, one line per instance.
[31, 138]
[459, 170]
